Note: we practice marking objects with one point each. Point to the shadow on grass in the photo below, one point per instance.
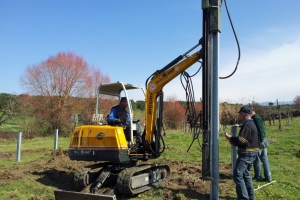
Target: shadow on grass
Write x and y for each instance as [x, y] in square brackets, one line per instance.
[57, 179]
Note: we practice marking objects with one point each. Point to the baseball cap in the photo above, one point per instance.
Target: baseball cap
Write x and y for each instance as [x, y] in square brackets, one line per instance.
[246, 109]
[123, 99]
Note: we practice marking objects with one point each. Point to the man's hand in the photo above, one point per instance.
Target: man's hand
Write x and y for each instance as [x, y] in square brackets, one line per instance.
[227, 136]
[262, 145]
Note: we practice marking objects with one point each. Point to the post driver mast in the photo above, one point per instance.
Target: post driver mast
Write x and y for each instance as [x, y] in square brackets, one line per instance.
[210, 47]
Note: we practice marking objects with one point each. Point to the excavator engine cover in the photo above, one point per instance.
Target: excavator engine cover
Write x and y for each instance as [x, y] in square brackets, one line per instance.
[99, 143]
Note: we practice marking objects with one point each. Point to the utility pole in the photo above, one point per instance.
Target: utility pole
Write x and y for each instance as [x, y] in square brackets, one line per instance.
[210, 47]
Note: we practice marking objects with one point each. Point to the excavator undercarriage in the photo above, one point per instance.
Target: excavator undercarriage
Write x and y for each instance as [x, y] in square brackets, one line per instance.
[125, 178]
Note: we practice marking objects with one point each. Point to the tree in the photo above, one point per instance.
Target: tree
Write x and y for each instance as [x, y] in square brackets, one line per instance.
[140, 105]
[228, 113]
[6, 98]
[8, 107]
[297, 101]
[56, 81]
[174, 112]
[258, 108]
[31, 115]
[93, 81]
[8, 112]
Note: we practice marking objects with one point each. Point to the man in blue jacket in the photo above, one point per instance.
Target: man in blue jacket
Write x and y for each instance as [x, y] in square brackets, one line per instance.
[119, 116]
[247, 143]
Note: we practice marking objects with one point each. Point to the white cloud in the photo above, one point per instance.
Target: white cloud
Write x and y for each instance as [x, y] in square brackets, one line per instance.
[267, 75]
[262, 75]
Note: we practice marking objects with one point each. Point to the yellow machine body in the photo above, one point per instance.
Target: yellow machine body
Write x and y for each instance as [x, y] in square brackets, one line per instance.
[98, 143]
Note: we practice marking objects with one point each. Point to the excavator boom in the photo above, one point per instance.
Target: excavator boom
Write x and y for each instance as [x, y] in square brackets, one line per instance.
[155, 86]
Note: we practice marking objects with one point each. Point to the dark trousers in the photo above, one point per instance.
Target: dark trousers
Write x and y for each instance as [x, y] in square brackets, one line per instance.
[242, 178]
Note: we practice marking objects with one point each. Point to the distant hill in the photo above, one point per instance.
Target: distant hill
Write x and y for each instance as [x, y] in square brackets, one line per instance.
[266, 103]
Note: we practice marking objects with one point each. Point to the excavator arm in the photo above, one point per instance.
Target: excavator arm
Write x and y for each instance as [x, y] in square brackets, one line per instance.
[154, 89]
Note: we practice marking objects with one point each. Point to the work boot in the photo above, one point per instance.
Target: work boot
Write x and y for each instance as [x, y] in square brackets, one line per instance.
[256, 179]
[269, 179]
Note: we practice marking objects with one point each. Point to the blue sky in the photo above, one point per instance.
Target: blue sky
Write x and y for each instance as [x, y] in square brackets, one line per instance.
[129, 40]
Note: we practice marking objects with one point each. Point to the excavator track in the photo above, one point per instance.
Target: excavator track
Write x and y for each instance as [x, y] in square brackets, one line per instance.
[138, 179]
[87, 175]
[81, 178]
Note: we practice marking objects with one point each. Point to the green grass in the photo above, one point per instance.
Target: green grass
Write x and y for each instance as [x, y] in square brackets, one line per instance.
[35, 143]
[33, 149]
[24, 189]
[10, 127]
[177, 144]
[283, 157]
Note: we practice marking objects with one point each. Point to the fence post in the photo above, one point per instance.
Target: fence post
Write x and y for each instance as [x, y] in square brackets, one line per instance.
[19, 146]
[55, 139]
[233, 148]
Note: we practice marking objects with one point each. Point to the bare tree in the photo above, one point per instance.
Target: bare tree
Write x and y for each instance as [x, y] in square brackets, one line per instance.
[57, 80]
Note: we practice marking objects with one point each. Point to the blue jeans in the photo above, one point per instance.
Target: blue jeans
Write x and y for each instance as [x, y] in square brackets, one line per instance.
[263, 157]
[242, 178]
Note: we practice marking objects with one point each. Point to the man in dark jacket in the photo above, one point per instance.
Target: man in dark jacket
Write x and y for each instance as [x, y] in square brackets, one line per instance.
[263, 153]
[247, 143]
[119, 116]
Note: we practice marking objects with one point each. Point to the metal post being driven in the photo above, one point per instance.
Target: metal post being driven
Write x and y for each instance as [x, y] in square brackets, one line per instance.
[210, 147]
[215, 28]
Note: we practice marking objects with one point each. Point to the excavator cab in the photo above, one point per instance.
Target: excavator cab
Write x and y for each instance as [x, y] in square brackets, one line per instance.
[105, 142]
[117, 90]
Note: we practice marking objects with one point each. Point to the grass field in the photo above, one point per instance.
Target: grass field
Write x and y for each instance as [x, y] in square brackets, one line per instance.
[284, 158]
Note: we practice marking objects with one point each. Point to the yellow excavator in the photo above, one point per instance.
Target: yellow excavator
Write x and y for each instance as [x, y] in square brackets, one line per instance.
[116, 159]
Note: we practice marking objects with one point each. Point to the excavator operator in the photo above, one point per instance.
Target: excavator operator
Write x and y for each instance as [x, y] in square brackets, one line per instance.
[119, 116]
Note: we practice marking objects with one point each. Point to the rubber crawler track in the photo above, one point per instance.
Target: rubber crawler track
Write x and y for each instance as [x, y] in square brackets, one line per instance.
[81, 177]
[124, 178]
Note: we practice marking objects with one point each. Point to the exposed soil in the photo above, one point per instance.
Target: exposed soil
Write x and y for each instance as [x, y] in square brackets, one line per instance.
[58, 172]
